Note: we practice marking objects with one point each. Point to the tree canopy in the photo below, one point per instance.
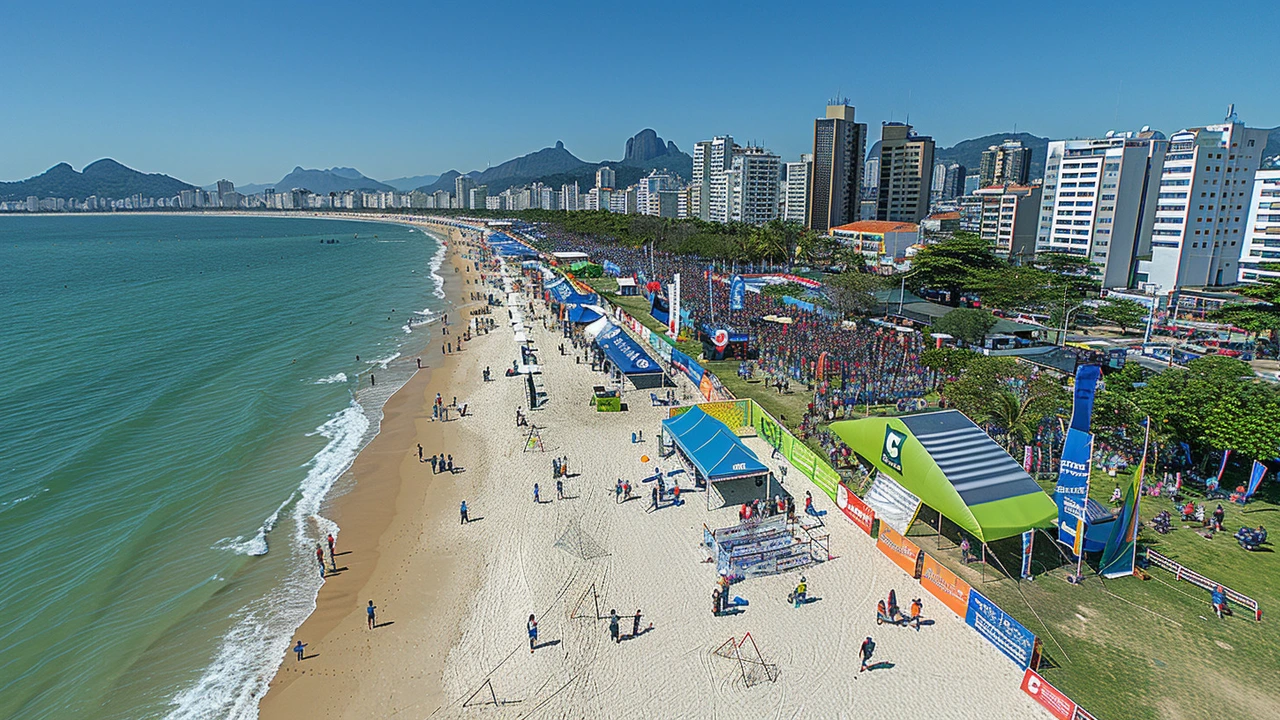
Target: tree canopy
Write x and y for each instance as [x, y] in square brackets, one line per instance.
[969, 325]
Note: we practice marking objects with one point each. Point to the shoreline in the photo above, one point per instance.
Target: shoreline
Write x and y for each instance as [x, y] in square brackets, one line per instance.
[382, 506]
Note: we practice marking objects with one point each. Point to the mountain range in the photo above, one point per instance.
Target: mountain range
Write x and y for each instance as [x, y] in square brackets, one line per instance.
[553, 166]
[105, 178]
[556, 166]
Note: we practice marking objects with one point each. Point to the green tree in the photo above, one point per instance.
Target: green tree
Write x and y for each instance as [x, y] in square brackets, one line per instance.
[1124, 313]
[968, 325]
[951, 264]
[852, 292]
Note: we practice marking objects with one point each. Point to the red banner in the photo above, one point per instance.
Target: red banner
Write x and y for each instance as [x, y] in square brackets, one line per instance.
[904, 553]
[852, 506]
[945, 585]
[1049, 697]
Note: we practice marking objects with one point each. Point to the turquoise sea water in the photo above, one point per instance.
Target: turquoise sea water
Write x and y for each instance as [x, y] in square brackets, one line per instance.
[180, 396]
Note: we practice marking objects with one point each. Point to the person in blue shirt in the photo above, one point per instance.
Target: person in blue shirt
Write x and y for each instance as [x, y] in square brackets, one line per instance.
[463, 509]
[1219, 599]
[297, 649]
[370, 612]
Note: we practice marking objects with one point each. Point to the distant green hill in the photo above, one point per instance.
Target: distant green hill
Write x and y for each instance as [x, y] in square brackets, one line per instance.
[105, 178]
[969, 152]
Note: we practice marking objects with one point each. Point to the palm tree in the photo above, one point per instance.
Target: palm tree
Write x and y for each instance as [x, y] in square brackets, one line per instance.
[1011, 413]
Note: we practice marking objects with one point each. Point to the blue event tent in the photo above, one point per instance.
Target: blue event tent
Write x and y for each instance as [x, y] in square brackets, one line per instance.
[630, 357]
[714, 450]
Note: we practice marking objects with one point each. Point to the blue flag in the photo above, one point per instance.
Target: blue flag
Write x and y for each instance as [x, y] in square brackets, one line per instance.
[1255, 478]
[1086, 387]
[737, 293]
[1073, 488]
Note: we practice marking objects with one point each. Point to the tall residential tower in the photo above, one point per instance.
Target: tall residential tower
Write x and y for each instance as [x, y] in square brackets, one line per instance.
[839, 144]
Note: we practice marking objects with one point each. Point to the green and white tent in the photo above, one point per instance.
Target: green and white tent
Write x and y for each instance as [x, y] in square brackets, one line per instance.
[954, 467]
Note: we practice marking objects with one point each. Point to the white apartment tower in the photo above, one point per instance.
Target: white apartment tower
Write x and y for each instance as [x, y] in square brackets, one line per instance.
[753, 186]
[796, 192]
[709, 157]
[1262, 245]
[1100, 197]
[648, 189]
[1201, 220]
[606, 177]
[569, 194]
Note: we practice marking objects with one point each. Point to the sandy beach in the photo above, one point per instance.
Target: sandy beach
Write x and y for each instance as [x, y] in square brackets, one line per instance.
[453, 599]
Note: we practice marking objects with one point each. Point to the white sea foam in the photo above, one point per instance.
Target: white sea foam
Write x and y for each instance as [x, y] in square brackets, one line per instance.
[384, 362]
[436, 261]
[256, 545]
[338, 378]
[16, 501]
[249, 653]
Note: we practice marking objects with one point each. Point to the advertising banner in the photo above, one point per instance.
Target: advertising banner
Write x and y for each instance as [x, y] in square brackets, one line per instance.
[1026, 458]
[1000, 629]
[737, 293]
[945, 585]
[904, 553]
[1073, 487]
[852, 506]
[1255, 478]
[1120, 552]
[1050, 698]
[1086, 387]
[673, 320]
[1028, 538]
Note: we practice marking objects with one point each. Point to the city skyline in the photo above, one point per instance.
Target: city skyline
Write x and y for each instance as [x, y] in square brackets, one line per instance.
[250, 100]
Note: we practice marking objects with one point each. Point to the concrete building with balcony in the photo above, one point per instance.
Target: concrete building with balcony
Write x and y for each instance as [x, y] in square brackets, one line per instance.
[906, 174]
[1262, 239]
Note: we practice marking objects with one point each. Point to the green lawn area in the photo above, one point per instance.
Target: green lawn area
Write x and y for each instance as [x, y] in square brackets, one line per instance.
[1145, 649]
[638, 307]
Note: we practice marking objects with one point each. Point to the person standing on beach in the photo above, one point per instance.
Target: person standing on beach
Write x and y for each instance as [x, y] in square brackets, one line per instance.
[372, 617]
[613, 626]
[559, 489]
[434, 460]
[635, 624]
[536, 499]
[465, 519]
[297, 649]
[655, 498]
[532, 627]
[332, 562]
[419, 452]
[868, 647]
[372, 380]
[451, 464]
[320, 558]
[617, 492]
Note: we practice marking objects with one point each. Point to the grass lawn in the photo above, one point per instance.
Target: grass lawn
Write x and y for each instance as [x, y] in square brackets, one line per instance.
[638, 307]
[1132, 648]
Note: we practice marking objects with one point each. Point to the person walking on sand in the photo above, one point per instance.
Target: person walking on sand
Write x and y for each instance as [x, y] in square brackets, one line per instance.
[332, 562]
[559, 489]
[635, 624]
[297, 649]
[419, 452]
[463, 509]
[532, 627]
[613, 626]
[372, 616]
[434, 460]
[450, 463]
[868, 647]
[536, 498]
[617, 492]
[320, 558]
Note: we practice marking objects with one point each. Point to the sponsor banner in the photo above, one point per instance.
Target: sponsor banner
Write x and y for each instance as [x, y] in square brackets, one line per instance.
[704, 387]
[1073, 486]
[673, 319]
[1255, 478]
[1120, 552]
[1086, 387]
[1049, 697]
[904, 553]
[1000, 629]
[891, 454]
[1026, 458]
[1027, 538]
[945, 585]
[737, 293]
[852, 506]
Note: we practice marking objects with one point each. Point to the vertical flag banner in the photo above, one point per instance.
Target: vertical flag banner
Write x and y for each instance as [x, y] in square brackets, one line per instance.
[1028, 538]
[1255, 478]
[737, 293]
[1086, 387]
[673, 319]
[1026, 458]
[1121, 550]
[1073, 488]
[1223, 467]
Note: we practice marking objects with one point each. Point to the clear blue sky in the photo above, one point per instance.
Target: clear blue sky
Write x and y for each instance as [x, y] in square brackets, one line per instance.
[248, 90]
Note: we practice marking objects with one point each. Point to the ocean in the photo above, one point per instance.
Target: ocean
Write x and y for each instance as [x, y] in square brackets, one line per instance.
[182, 395]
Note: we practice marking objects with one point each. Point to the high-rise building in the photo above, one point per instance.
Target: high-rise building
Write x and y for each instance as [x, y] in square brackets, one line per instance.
[1009, 219]
[953, 184]
[462, 186]
[709, 157]
[1099, 201]
[1200, 227]
[939, 182]
[647, 201]
[906, 174]
[569, 194]
[225, 188]
[796, 189]
[753, 186]
[1008, 163]
[1262, 245]
[838, 147]
[476, 197]
[606, 177]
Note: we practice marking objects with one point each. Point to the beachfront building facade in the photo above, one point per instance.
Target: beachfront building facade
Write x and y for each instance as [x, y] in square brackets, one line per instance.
[838, 147]
[795, 193]
[1200, 227]
[753, 186]
[906, 174]
[1100, 198]
[1009, 218]
[710, 157]
[649, 188]
[1262, 243]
